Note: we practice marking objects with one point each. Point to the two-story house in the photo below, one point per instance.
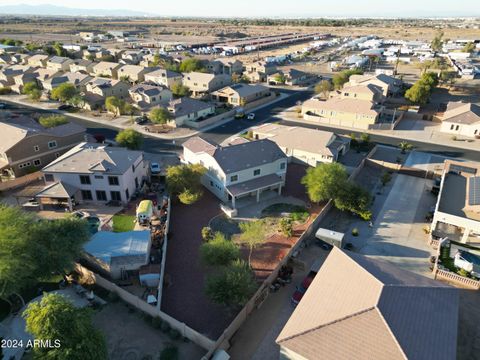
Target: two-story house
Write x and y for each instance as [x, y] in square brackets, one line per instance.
[82, 66]
[98, 173]
[241, 94]
[25, 145]
[201, 84]
[108, 87]
[132, 73]
[106, 69]
[186, 110]
[38, 60]
[163, 77]
[78, 80]
[147, 95]
[259, 70]
[238, 171]
[225, 66]
[59, 63]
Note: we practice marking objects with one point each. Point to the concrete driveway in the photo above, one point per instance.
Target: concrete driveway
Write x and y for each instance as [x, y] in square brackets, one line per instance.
[397, 233]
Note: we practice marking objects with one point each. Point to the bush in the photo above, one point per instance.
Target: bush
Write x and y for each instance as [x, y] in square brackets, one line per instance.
[174, 334]
[157, 322]
[5, 90]
[165, 327]
[169, 353]
[207, 233]
[52, 121]
[463, 272]
[219, 251]
[286, 226]
[355, 232]
[113, 297]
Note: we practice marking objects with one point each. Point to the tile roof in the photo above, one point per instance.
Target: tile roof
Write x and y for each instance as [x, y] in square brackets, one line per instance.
[462, 113]
[361, 308]
[185, 105]
[254, 184]
[356, 106]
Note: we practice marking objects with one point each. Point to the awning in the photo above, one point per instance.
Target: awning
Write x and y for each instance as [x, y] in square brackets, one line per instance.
[254, 184]
[58, 190]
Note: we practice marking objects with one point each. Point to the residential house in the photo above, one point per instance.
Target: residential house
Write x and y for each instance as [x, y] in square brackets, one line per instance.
[22, 79]
[38, 60]
[59, 63]
[347, 112]
[303, 145]
[290, 77]
[114, 253]
[461, 119]
[8, 74]
[44, 75]
[457, 211]
[146, 95]
[238, 171]
[186, 110]
[106, 69]
[19, 59]
[163, 77]
[79, 80]
[82, 66]
[225, 66]
[201, 84]
[241, 94]
[259, 70]
[132, 57]
[361, 308]
[367, 92]
[98, 173]
[390, 86]
[108, 87]
[132, 73]
[26, 145]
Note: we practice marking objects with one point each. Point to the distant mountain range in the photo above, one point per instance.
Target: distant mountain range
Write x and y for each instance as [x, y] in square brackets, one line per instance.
[49, 10]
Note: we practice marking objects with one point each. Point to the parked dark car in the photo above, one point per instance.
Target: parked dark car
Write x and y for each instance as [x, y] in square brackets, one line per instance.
[141, 120]
[65, 107]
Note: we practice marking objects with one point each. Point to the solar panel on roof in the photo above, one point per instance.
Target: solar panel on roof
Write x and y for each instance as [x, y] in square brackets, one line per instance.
[474, 190]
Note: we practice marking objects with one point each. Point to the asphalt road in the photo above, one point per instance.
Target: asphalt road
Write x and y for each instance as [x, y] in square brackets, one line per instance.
[267, 114]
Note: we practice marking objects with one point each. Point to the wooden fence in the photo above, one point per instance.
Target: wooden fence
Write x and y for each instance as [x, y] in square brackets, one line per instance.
[21, 181]
[457, 279]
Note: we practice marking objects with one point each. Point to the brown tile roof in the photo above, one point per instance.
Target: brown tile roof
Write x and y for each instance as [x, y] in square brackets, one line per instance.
[361, 308]
[355, 106]
[462, 113]
[197, 145]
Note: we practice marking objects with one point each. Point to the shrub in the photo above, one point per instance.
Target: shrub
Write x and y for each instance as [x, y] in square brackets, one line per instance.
[157, 322]
[174, 334]
[355, 232]
[207, 233]
[286, 226]
[463, 272]
[169, 353]
[165, 327]
[5, 90]
[113, 297]
[52, 121]
[219, 251]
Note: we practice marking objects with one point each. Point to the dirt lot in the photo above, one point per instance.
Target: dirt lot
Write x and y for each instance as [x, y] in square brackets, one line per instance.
[122, 329]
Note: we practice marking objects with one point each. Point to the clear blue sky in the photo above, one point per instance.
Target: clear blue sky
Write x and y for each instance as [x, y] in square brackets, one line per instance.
[278, 8]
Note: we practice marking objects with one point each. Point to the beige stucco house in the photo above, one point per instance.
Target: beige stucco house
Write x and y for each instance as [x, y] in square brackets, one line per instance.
[241, 94]
[163, 77]
[186, 110]
[461, 119]
[132, 73]
[201, 84]
[106, 69]
[59, 63]
[146, 95]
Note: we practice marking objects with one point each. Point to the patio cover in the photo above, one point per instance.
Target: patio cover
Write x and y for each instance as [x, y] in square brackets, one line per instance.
[58, 190]
[254, 184]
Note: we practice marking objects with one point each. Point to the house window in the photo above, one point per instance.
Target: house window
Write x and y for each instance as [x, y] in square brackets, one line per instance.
[476, 132]
[115, 195]
[283, 165]
[57, 155]
[133, 168]
[457, 127]
[234, 178]
[127, 194]
[37, 162]
[211, 183]
[49, 178]
[86, 195]
[452, 126]
[99, 177]
[136, 182]
[113, 180]
[256, 172]
[52, 144]
[36, 148]
[85, 180]
[101, 195]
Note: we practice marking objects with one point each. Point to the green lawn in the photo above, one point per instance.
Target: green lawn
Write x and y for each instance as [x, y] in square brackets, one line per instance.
[123, 223]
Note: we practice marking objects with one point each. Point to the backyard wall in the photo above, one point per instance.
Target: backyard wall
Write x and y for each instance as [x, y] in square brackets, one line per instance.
[141, 305]
[21, 181]
[456, 279]
[164, 257]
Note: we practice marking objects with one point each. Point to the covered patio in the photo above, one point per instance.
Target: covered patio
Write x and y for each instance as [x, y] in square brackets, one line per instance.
[57, 194]
[255, 187]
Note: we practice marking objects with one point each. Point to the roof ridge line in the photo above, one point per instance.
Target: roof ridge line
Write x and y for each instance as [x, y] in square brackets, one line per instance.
[329, 323]
[391, 332]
